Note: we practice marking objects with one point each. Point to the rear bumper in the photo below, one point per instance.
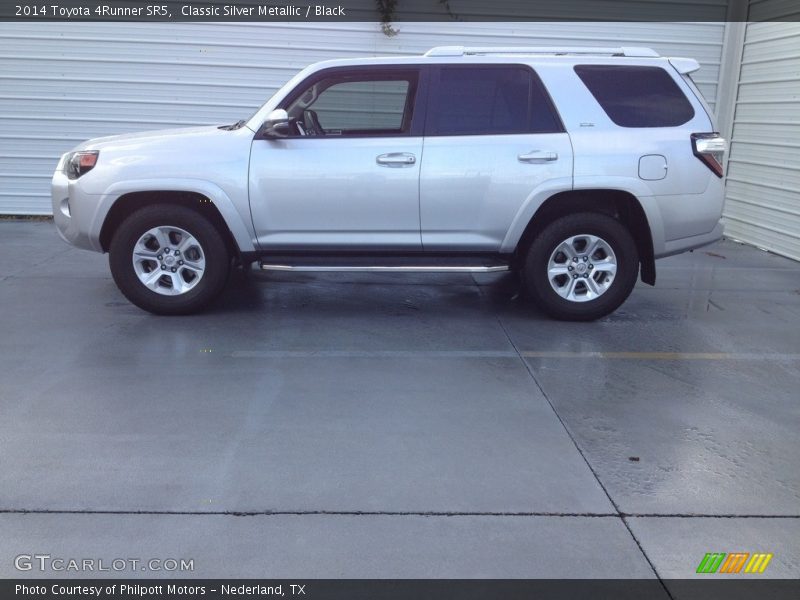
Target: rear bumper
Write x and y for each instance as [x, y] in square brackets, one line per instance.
[690, 243]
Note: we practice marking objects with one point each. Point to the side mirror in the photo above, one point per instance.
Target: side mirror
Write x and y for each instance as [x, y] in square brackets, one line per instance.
[277, 124]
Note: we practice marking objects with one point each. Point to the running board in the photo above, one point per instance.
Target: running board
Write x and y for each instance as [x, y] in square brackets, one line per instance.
[388, 268]
[386, 263]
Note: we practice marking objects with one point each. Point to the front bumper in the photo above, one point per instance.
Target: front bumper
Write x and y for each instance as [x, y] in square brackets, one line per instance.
[72, 214]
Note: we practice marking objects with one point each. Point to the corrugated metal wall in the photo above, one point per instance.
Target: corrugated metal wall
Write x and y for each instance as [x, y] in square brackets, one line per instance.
[762, 205]
[61, 83]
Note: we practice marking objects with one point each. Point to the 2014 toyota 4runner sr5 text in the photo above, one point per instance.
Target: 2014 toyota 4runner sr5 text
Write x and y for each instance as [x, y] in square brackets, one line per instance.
[576, 167]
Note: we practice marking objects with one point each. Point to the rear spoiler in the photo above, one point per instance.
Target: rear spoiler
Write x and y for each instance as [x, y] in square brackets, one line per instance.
[684, 66]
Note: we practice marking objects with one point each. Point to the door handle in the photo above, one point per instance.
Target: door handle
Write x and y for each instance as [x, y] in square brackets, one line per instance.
[396, 159]
[537, 156]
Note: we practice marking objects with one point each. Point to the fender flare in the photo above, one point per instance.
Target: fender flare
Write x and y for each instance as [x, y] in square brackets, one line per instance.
[240, 227]
[638, 189]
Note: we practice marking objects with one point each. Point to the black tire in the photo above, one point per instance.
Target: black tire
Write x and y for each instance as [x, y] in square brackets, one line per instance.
[215, 253]
[534, 269]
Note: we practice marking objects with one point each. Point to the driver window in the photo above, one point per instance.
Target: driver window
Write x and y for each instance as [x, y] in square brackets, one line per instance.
[348, 105]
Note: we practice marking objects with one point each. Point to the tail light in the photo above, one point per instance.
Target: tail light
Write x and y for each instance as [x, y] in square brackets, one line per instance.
[710, 148]
[80, 163]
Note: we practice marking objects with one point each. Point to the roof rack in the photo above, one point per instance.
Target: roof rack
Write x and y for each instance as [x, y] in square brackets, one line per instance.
[547, 50]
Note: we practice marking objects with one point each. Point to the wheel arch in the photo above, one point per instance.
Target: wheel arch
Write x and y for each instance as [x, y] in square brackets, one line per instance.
[217, 208]
[620, 204]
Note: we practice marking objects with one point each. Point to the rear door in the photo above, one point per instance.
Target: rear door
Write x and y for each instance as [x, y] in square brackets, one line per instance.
[492, 137]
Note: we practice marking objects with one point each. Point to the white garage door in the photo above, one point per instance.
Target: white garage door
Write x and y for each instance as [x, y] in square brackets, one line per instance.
[762, 203]
[61, 83]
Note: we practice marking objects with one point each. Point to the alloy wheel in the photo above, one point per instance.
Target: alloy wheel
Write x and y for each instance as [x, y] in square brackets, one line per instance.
[582, 268]
[168, 260]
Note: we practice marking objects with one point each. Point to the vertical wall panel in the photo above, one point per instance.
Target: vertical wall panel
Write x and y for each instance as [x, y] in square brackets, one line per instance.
[762, 204]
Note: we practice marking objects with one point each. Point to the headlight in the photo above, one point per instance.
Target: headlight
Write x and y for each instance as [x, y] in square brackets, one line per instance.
[80, 163]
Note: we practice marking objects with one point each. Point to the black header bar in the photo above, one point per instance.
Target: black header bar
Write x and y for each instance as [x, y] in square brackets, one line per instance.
[398, 11]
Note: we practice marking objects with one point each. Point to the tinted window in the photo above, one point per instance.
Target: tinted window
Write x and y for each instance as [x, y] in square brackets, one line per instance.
[637, 96]
[489, 100]
[362, 105]
[354, 104]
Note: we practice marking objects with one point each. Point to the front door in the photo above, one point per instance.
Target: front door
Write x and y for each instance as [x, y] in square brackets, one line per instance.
[347, 175]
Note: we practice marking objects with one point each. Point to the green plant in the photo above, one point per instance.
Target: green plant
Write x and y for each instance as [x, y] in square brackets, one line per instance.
[386, 9]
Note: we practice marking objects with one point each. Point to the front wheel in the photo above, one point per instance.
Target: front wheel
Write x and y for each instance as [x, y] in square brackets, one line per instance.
[168, 260]
[581, 267]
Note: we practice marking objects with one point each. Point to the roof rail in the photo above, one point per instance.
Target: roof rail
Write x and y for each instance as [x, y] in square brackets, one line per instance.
[551, 50]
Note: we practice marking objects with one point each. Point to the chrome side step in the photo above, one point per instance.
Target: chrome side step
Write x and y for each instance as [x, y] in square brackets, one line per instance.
[387, 268]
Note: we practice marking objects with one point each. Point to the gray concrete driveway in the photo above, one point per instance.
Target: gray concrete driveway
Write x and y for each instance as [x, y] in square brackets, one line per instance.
[347, 425]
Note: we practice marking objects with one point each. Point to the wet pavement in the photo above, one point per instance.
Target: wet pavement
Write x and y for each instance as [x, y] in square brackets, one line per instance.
[400, 425]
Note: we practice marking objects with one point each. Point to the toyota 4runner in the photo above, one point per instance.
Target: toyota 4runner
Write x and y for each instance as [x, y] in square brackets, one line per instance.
[576, 167]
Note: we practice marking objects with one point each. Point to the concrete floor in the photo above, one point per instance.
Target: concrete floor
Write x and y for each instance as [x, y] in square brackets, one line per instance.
[353, 425]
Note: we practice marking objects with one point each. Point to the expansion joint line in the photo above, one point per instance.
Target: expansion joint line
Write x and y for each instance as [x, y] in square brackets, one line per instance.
[583, 456]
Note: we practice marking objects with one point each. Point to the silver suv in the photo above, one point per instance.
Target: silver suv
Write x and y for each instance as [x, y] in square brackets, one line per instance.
[576, 167]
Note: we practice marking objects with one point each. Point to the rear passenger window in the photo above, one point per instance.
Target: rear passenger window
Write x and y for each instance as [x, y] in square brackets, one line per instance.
[489, 100]
[637, 96]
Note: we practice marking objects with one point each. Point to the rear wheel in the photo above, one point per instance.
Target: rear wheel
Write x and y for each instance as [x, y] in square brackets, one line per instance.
[168, 259]
[581, 267]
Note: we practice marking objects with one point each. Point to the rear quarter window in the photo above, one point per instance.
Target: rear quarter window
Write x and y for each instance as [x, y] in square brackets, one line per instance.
[635, 96]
